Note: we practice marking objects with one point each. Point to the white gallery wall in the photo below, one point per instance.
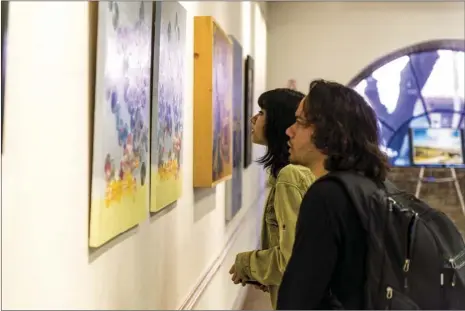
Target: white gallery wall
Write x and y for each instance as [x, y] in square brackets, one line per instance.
[176, 259]
[336, 40]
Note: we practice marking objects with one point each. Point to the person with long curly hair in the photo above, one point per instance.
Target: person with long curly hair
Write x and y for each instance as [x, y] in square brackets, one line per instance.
[335, 130]
[265, 267]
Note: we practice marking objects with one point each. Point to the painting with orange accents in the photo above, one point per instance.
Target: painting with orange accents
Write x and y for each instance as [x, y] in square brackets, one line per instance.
[120, 175]
[213, 117]
[168, 104]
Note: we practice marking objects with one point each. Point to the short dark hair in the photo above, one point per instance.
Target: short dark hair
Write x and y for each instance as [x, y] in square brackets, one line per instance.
[345, 129]
[280, 105]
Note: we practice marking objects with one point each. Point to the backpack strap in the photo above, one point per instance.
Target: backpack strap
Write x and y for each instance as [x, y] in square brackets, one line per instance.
[360, 190]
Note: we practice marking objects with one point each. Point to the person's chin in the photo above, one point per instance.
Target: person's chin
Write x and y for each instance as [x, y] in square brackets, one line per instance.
[256, 141]
[293, 160]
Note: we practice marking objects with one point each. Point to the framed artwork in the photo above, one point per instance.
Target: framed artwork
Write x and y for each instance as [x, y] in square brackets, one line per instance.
[168, 103]
[234, 186]
[212, 103]
[120, 193]
[248, 110]
[4, 34]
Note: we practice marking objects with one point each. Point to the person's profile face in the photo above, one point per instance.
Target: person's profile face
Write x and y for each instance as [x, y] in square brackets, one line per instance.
[258, 122]
[301, 147]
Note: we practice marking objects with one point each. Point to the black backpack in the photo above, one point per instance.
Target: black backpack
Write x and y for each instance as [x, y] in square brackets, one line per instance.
[416, 255]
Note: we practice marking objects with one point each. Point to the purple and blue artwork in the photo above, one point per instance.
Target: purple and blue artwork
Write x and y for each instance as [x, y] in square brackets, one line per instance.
[234, 186]
[168, 99]
[222, 114]
[122, 118]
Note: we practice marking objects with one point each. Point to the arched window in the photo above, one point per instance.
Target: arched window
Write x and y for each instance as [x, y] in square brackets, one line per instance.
[418, 86]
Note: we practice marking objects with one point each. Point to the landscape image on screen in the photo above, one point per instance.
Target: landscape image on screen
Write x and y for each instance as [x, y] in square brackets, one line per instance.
[436, 146]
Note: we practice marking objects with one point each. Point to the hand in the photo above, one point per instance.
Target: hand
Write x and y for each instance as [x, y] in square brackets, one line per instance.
[235, 276]
[263, 288]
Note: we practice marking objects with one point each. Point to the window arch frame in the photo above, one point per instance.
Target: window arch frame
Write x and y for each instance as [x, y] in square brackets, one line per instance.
[455, 45]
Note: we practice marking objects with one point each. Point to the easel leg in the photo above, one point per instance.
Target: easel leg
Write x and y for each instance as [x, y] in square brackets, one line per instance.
[420, 182]
[459, 191]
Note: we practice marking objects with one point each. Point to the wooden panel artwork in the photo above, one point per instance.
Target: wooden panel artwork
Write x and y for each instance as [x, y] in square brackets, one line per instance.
[213, 116]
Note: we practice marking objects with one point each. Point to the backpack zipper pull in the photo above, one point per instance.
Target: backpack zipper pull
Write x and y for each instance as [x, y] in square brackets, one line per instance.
[389, 293]
[453, 279]
[442, 279]
[406, 268]
[406, 265]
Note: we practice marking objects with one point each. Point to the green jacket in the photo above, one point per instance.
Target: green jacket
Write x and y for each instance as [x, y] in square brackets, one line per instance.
[267, 265]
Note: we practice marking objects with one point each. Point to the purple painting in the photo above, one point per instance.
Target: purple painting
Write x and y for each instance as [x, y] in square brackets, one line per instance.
[234, 186]
[122, 118]
[168, 103]
[222, 114]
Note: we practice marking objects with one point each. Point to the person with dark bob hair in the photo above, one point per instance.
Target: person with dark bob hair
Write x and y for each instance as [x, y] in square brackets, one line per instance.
[335, 130]
[288, 183]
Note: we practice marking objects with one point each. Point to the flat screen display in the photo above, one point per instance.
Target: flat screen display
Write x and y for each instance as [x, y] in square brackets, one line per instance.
[437, 147]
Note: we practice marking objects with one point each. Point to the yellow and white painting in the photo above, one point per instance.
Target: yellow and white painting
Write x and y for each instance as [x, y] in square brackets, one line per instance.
[120, 181]
[168, 104]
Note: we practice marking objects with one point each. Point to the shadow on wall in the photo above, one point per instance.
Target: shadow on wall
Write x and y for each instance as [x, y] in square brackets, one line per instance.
[154, 216]
[95, 253]
[204, 201]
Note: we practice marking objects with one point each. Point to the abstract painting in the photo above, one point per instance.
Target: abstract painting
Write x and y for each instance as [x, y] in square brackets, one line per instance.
[212, 103]
[234, 186]
[120, 193]
[4, 34]
[168, 104]
[248, 110]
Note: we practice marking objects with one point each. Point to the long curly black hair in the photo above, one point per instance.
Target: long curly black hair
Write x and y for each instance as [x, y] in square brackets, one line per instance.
[280, 106]
[345, 129]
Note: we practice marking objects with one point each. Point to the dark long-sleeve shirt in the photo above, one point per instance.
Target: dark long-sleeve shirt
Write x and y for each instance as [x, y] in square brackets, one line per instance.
[328, 255]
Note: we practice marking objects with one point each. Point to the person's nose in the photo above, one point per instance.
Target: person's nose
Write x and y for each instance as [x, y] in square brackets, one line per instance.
[289, 131]
[253, 119]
